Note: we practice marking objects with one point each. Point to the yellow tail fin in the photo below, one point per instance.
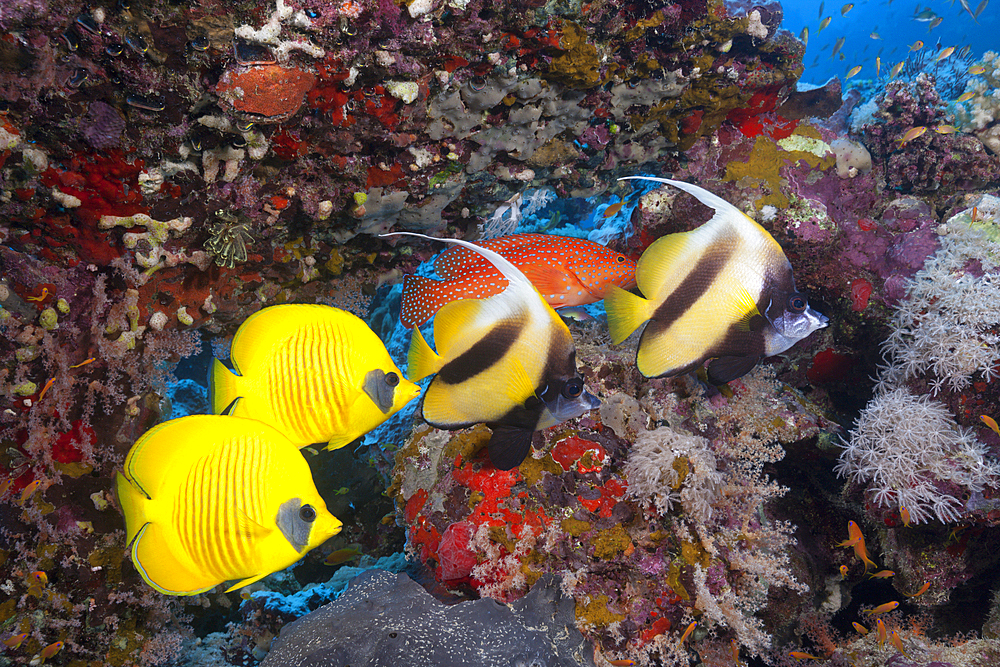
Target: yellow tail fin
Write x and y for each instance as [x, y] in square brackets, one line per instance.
[626, 313]
[223, 387]
[422, 360]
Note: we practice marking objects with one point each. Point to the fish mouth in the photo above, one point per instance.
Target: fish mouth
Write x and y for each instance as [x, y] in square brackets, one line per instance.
[563, 409]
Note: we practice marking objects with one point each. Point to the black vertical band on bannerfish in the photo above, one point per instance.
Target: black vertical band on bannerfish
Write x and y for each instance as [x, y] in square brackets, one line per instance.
[559, 367]
[693, 287]
[484, 354]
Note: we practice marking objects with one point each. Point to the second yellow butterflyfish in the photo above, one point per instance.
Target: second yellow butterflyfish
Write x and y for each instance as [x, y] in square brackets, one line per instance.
[315, 372]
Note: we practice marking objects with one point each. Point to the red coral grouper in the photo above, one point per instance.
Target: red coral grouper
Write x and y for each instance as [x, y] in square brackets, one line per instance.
[566, 271]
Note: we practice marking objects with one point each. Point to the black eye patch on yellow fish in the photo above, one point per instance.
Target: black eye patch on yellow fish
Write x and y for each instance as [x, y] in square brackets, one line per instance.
[507, 361]
[724, 291]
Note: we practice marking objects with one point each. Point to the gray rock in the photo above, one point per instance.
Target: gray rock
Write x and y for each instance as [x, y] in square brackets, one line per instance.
[388, 619]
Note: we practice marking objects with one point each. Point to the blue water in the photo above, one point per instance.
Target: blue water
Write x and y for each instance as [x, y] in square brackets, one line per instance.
[894, 22]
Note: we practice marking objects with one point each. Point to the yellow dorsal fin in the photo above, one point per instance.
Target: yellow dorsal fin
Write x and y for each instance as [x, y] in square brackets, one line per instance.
[456, 324]
[626, 312]
[259, 333]
[421, 360]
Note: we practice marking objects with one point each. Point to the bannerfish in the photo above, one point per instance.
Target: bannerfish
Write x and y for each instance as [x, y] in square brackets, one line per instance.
[211, 498]
[507, 361]
[723, 291]
[567, 271]
[316, 373]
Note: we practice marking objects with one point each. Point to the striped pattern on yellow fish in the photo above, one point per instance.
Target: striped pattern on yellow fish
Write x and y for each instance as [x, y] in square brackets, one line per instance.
[317, 373]
[507, 361]
[723, 291]
[210, 498]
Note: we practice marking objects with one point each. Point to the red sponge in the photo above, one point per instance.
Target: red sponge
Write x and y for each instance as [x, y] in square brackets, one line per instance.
[457, 560]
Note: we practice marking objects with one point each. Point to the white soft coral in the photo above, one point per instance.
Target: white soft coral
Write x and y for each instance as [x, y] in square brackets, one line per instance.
[496, 225]
[907, 448]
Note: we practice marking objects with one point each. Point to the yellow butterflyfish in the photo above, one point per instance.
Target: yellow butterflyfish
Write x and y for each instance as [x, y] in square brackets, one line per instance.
[212, 498]
[316, 373]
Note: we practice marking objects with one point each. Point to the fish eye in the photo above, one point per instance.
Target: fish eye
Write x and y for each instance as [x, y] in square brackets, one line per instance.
[391, 379]
[621, 259]
[307, 513]
[797, 303]
[573, 388]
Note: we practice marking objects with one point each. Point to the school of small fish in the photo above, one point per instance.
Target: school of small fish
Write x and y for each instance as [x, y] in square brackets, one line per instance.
[926, 15]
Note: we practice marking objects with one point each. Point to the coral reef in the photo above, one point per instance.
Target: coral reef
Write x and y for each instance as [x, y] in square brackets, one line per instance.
[167, 169]
[939, 158]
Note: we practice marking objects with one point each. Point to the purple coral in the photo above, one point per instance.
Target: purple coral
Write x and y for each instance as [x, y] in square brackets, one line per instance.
[938, 158]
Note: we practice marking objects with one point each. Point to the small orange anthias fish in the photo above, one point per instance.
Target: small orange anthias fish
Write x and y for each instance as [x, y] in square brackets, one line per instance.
[880, 632]
[687, 631]
[28, 491]
[612, 210]
[860, 628]
[802, 655]
[920, 591]
[51, 650]
[566, 271]
[904, 514]
[843, 571]
[912, 134]
[15, 641]
[882, 574]
[883, 608]
[39, 577]
[986, 419]
[857, 540]
[853, 535]
[621, 663]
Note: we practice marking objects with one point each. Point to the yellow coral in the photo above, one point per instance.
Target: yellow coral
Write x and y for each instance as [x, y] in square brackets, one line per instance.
[766, 159]
[611, 542]
[577, 65]
[597, 613]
